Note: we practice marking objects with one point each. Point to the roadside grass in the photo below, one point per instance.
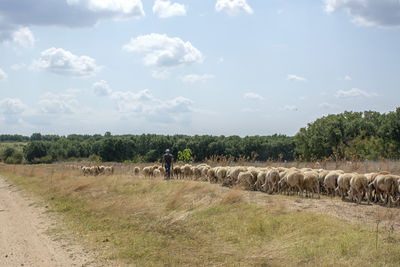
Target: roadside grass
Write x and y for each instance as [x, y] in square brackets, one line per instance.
[151, 222]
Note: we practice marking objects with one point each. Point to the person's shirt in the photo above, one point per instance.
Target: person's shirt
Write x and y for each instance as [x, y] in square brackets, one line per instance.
[168, 158]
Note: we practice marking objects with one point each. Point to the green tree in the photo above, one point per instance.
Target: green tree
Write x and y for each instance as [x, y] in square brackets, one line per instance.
[185, 155]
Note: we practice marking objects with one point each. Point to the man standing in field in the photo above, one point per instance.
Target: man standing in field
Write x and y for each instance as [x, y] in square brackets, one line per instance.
[167, 163]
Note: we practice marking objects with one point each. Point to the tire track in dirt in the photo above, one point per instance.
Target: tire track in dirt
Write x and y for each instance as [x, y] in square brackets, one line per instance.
[23, 238]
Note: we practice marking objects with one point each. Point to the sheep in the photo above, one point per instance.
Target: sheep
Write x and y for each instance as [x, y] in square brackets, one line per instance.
[388, 185]
[311, 183]
[186, 170]
[204, 170]
[211, 176]
[109, 170]
[343, 182]
[330, 182]
[197, 172]
[259, 185]
[359, 187]
[156, 173]
[136, 171]
[321, 178]
[271, 181]
[85, 170]
[295, 179]
[101, 169]
[371, 186]
[246, 179]
[162, 170]
[232, 175]
[221, 174]
[148, 171]
[94, 170]
[177, 172]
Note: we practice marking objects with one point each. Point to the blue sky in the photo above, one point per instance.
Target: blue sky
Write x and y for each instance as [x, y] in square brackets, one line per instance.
[231, 67]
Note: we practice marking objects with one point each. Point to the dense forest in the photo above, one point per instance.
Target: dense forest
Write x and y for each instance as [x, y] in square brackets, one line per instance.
[348, 135]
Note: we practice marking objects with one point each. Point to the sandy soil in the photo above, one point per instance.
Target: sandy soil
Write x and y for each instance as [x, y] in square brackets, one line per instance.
[23, 237]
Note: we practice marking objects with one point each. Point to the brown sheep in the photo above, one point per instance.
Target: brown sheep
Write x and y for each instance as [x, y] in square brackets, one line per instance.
[271, 181]
[211, 176]
[260, 180]
[343, 184]
[330, 182]
[136, 171]
[386, 185]
[294, 180]
[246, 179]
[358, 187]
[311, 183]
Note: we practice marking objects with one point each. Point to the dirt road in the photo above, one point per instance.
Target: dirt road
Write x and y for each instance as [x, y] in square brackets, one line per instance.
[23, 238]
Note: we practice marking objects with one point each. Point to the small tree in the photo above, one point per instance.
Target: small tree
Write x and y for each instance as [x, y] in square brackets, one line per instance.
[185, 155]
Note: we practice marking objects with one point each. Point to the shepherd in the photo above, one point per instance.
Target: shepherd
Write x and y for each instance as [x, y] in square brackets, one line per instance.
[168, 164]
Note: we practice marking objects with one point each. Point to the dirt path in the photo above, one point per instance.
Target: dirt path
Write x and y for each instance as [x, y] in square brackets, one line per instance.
[23, 238]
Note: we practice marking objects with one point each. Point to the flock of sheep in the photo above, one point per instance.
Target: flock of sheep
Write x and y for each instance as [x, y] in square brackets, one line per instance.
[381, 187]
[97, 170]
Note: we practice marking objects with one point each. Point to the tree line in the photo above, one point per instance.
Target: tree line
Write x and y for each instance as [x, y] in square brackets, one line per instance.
[348, 135]
[150, 147]
[351, 135]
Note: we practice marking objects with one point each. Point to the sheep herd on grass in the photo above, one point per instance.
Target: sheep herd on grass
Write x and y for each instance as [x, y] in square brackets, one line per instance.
[97, 170]
[378, 187]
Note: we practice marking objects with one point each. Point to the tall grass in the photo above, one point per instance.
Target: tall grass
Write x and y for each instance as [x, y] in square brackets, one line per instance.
[151, 222]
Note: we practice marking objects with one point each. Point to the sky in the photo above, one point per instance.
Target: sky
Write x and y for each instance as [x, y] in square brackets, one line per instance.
[217, 67]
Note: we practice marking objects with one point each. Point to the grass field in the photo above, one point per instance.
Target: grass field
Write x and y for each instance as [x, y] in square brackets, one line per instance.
[151, 222]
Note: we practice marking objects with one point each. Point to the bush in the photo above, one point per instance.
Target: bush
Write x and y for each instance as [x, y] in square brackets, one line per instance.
[12, 156]
[94, 158]
[35, 150]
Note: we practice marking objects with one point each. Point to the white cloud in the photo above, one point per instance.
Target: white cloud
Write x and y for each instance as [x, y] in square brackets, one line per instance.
[233, 7]
[3, 75]
[11, 109]
[327, 105]
[290, 108]
[292, 77]
[17, 66]
[132, 8]
[15, 15]
[161, 74]
[164, 51]
[250, 110]
[12, 106]
[24, 37]
[354, 92]
[62, 62]
[146, 106]
[253, 96]
[193, 78]
[385, 13]
[166, 9]
[101, 88]
[347, 78]
[51, 103]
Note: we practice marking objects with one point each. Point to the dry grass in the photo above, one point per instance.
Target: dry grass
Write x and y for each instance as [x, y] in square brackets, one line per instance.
[232, 196]
[151, 222]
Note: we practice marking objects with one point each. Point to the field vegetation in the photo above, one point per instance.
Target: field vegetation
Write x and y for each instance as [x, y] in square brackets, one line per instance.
[151, 222]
